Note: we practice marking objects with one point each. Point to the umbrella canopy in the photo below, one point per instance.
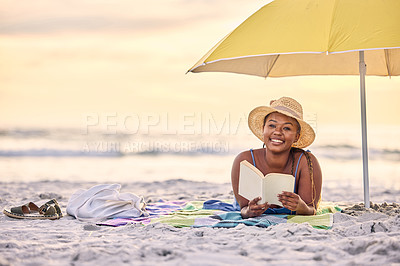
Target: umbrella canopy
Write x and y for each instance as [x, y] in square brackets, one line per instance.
[291, 38]
[314, 37]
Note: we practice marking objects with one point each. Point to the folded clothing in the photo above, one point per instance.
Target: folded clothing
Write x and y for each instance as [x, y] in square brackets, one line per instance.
[103, 202]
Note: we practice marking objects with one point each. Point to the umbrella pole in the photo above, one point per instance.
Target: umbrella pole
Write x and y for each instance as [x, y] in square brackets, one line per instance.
[363, 70]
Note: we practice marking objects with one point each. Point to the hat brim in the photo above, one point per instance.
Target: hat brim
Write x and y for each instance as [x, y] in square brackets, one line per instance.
[256, 121]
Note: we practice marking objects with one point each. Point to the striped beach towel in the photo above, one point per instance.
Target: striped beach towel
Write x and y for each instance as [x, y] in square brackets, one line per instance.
[192, 214]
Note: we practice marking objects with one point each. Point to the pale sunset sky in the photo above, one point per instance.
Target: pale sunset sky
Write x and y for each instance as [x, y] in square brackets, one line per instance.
[62, 60]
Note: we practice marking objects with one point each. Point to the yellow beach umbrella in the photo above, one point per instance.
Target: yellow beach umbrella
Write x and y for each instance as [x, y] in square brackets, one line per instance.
[314, 37]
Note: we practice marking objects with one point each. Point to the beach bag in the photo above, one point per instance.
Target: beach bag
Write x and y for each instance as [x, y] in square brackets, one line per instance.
[103, 202]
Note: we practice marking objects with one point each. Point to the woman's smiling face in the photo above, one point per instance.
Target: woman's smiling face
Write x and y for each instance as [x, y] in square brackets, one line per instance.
[280, 132]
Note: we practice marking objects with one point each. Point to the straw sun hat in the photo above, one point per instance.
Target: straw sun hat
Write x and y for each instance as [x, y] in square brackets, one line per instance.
[286, 106]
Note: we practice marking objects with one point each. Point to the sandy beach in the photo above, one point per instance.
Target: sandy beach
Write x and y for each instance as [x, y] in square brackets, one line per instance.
[358, 236]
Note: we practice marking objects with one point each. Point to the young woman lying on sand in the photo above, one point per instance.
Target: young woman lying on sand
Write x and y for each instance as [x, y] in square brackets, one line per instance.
[284, 133]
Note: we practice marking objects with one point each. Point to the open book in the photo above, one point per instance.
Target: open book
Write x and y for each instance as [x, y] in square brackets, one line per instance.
[252, 184]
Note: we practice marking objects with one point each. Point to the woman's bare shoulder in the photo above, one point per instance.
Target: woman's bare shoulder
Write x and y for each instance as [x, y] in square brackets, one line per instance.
[304, 164]
[298, 152]
[312, 156]
[244, 155]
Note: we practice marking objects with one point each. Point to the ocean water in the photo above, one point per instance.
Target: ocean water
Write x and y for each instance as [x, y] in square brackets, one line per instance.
[43, 154]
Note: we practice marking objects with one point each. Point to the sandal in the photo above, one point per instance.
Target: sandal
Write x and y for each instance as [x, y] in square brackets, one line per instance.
[50, 210]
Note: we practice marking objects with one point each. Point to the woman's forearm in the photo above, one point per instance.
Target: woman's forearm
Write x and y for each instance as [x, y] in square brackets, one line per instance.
[306, 210]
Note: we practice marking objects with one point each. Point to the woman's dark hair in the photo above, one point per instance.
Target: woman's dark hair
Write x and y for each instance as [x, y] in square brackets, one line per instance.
[265, 119]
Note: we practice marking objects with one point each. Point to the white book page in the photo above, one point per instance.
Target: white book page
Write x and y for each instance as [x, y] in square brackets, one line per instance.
[274, 184]
[250, 182]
